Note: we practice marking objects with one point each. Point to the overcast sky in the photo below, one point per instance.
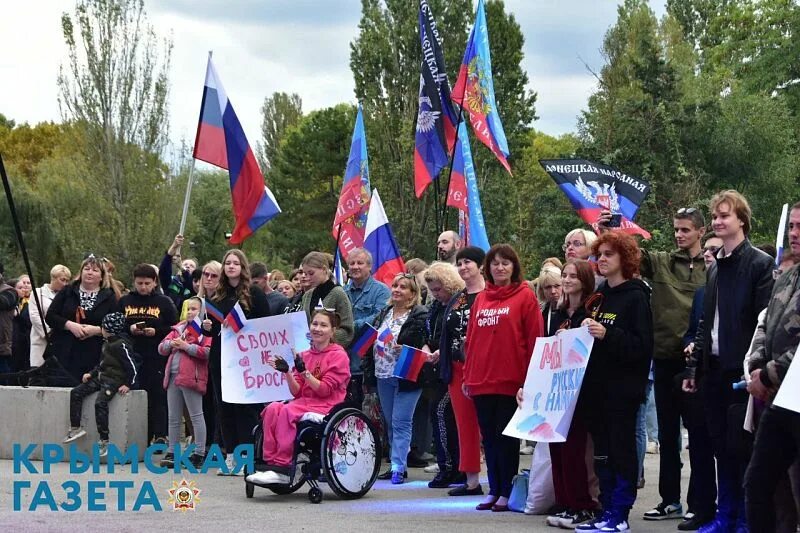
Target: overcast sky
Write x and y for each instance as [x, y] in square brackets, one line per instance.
[302, 46]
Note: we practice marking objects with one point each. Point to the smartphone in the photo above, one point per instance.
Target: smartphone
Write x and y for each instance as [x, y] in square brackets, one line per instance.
[139, 325]
[604, 201]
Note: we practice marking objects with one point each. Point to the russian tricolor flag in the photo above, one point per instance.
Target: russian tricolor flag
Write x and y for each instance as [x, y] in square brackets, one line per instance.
[379, 241]
[195, 325]
[236, 319]
[221, 141]
[410, 363]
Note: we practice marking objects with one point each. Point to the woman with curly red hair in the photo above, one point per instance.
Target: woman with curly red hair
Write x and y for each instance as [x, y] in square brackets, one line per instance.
[614, 384]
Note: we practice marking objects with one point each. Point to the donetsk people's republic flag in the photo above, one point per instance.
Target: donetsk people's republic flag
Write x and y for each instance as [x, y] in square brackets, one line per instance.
[583, 181]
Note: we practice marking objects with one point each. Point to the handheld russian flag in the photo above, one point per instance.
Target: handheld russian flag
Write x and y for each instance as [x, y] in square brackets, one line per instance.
[410, 363]
[351, 212]
[212, 311]
[386, 259]
[221, 141]
[236, 319]
[474, 90]
[463, 194]
[367, 339]
[384, 337]
[195, 325]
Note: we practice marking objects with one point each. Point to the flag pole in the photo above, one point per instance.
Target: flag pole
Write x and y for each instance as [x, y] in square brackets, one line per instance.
[453, 156]
[191, 180]
[186, 197]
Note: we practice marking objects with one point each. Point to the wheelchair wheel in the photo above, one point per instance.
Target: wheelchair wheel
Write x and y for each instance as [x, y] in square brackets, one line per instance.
[350, 459]
[249, 489]
[315, 495]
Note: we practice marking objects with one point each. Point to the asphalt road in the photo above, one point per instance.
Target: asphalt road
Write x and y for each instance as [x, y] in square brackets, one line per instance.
[222, 506]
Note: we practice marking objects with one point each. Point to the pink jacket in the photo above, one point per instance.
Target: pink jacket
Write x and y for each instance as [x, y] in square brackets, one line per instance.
[193, 365]
[332, 367]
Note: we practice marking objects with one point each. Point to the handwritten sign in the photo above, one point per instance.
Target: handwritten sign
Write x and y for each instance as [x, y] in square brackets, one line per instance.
[246, 375]
[552, 386]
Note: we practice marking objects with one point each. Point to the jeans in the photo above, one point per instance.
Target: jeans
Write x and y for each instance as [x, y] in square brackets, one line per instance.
[177, 397]
[5, 365]
[719, 397]
[106, 391]
[398, 410]
[776, 448]
[502, 452]
[641, 428]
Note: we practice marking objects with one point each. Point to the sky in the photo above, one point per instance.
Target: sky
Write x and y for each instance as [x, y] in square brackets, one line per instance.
[301, 46]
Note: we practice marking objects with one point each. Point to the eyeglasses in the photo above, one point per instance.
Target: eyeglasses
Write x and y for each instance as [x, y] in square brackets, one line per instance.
[574, 244]
[711, 249]
[210, 275]
[686, 210]
[91, 256]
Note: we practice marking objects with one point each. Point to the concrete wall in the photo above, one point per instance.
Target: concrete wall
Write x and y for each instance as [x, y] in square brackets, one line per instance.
[41, 414]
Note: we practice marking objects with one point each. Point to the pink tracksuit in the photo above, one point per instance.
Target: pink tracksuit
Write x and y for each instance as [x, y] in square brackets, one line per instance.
[332, 367]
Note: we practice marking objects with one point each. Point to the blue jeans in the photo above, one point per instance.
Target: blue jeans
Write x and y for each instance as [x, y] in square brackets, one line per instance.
[398, 410]
[641, 427]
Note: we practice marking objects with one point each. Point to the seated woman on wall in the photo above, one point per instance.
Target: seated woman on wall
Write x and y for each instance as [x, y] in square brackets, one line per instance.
[317, 385]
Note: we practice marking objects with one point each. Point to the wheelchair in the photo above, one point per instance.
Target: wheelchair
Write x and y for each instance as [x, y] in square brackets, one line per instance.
[342, 446]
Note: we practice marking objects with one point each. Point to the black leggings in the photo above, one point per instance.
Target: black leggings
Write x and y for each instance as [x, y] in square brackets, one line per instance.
[502, 452]
[445, 432]
[107, 392]
[235, 421]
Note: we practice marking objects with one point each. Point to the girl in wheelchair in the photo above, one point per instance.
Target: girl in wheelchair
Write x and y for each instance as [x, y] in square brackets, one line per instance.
[318, 382]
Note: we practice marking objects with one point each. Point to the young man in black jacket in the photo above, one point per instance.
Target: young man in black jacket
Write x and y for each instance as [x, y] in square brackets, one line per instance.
[738, 288]
[149, 317]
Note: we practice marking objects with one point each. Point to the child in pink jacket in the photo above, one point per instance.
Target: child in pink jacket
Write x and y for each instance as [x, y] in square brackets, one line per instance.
[317, 388]
[185, 379]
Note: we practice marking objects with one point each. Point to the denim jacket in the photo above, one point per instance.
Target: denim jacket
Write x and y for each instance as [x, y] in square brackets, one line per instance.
[367, 302]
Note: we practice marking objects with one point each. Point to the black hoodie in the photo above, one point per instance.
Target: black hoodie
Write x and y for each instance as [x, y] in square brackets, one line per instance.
[620, 363]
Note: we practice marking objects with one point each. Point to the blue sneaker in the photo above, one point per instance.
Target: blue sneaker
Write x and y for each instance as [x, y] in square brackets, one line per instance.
[717, 526]
[398, 477]
[596, 525]
[616, 525]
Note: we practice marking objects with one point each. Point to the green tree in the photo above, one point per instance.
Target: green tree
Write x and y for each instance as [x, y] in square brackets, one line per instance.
[310, 163]
[114, 87]
[385, 59]
[279, 112]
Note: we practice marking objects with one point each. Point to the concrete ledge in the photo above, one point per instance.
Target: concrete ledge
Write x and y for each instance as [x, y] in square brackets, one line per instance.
[38, 415]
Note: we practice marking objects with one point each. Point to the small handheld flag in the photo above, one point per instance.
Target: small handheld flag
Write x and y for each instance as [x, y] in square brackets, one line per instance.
[195, 325]
[410, 363]
[367, 339]
[236, 319]
[213, 312]
[384, 337]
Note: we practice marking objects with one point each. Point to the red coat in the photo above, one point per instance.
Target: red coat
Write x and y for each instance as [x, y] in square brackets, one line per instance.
[504, 323]
[192, 367]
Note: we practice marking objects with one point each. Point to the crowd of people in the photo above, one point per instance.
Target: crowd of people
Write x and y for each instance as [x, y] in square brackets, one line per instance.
[709, 330]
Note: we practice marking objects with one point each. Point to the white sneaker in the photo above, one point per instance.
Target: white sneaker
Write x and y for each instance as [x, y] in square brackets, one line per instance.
[230, 464]
[527, 450]
[268, 478]
[431, 469]
[102, 447]
[555, 520]
[74, 434]
[653, 447]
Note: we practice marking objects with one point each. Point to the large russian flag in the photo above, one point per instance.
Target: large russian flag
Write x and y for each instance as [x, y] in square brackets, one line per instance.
[221, 141]
[379, 241]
